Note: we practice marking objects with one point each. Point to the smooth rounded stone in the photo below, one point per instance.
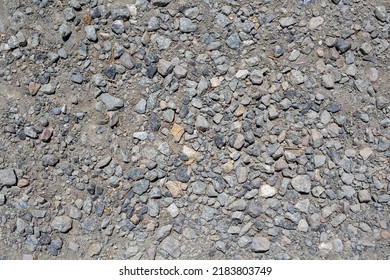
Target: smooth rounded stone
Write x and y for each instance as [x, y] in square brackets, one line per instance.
[364, 196]
[338, 220]
[201, 123]
[199, 188]
[112, 103]
[171, 245]
[91, 33]
[89, 224]
[7, 178]
[342, 45]
[208, 213]
[286, 21]
[186, 25]
[381, 13]
[93, 250]
[315, 22]
[163, 232]
[62, 223]
[49, 160]
[260, 244]
[267, 191]
[328, 81]
[65, 31]
[233, 41]
[301, 183]
[182, 174]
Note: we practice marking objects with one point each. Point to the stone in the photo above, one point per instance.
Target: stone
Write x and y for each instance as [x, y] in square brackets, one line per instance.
[301, 183]
[286, 21]
[7, 178]
[65, 31]
[199, 188]
[62, 223]
[33, 88]
[328, 81]
[118, 27]
[140, 107]
[172, 246]
[201, 123]
[94, 249]
[104, 161]
[180, 72]
[182, 174]
[49, 160]
[260, 244]
[338, 220]
[382, 102]
[91, 33]
[317, 138]
[364, 196]
[186, 25]
[241, 174]
[164, 67]
[208, 213]
[160, 3]
[365, 153]
[342, 45]
[112, 103]
[267, 191]
[163, 232]
[233, 41]
[381, 13]
[315, 22]
[177, 132]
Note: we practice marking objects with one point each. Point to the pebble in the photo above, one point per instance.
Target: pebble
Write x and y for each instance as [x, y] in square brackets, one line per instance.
[301, 183]
[62, 223]
[7, 178]
[186, 25]
[260, 244]
[267, 191]
[112, 103]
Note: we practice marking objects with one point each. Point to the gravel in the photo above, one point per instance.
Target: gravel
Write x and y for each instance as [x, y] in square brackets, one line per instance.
[169, 130]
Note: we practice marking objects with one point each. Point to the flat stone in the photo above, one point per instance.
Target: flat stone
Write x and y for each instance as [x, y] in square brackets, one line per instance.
[104, 161]
[338, 220]
[163, 232]
[366, 152]
[112, 103]
[364, 196]
[160, 3]
[301, 183]
[7, 178]
[62, 223]
[260, 244]
[177, 131]
[267, 191]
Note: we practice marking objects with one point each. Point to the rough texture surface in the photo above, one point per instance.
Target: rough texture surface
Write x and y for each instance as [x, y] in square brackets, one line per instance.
[194, 129]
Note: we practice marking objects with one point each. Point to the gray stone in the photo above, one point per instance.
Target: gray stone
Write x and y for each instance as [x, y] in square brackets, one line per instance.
[238, 205]
[164, 67]
[2, 199]
[160, 3]
[301, 183]
[65, 31]
[364, 196]
[233, 41]
[267, 191]
[140, 107]
[182, 174]
[172, 246]
[319, 160]
[342, 45]
[118, 27]
[286, 21]
[126, 61]
[112, 103]
[62, 223]
[89, 224]
[201, 123]
[49, 160]
[328, 81]
[241, 174]
[382, 102]
[221, 246]
[140, 187]
[199, 188]
[260, 244]
[163, 232]
[91, 33]
[186, 25]
[338, 220]
[381, 13]
[7, 178]
[208, 213]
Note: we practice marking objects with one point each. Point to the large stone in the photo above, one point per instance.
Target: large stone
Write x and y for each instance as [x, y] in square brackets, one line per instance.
[267, 191]
[260, 244]
[186, 25]
[112, 103]
[301, 183]
[62, 223]
[7, 178]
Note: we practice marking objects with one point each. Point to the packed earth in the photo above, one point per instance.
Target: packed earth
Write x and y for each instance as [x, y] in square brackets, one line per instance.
[204, 129]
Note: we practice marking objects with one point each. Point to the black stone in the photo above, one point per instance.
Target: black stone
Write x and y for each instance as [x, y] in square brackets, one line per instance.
[182, 174]
[154, 122]
[110, 72]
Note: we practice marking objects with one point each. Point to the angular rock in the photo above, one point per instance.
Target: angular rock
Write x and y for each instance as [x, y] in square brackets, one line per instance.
[112, 103]
[301, 183]
[260, 244]
[62, 223]
[7, 178]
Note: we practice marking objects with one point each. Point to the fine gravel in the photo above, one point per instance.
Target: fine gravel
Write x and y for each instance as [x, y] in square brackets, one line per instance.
[205, 129]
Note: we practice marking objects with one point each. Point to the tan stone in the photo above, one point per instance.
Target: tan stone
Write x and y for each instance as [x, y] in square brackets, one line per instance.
[175, 188]
[177, 132]
[33, 88]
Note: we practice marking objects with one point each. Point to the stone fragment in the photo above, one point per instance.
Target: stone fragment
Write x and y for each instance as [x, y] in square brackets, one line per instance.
[186, 25]
[301, 183]
[260, 244]
[267, 191]
[7, 178]
[315, 22]
[177, 132]
[112, 103]
[62, 223]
